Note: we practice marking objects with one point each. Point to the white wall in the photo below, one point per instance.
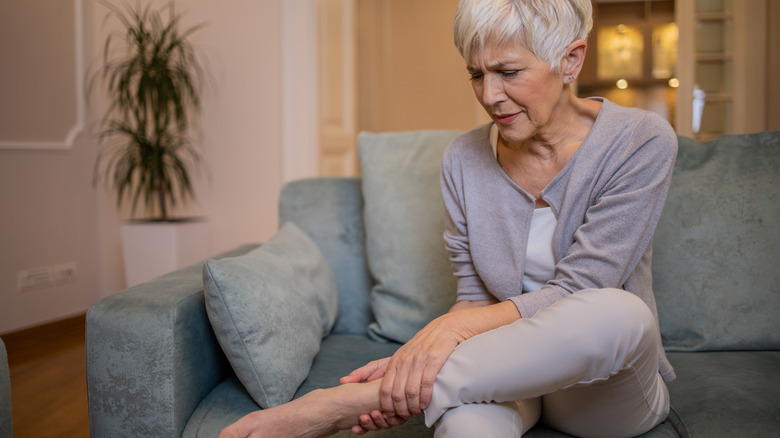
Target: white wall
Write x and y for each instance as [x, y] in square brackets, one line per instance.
[51, 213]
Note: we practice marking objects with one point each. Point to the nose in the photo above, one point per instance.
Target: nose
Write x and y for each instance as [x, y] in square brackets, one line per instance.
[492, 90]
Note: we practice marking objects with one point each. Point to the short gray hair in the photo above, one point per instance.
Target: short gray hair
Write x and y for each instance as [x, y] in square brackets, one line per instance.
[546, 27]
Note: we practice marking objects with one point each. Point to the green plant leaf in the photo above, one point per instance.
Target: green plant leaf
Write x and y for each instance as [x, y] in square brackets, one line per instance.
[153, 83]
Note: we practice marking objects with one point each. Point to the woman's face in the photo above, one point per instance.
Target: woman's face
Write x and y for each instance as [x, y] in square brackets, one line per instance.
[518, 90]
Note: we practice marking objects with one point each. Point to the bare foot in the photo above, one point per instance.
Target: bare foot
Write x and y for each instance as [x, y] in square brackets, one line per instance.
[319, 413]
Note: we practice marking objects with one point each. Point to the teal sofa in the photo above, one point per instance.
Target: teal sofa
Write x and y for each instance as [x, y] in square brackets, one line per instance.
[155, 367]
[6, 422]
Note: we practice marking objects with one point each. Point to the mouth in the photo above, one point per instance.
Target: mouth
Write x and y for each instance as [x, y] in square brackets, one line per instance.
[505, 119]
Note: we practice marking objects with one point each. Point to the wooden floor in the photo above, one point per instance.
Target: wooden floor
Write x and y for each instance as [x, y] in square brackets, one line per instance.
[48, 380]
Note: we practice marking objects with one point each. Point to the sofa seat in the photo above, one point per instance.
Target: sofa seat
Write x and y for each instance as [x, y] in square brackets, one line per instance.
[339, 355]
[726, 393]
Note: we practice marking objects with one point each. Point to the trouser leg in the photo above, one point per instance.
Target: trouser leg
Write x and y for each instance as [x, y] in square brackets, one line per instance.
[591, 336]
[489, 420]
[626, 404]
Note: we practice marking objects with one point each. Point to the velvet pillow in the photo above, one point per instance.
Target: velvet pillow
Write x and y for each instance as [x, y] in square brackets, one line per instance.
[270, 309]
[404, 222]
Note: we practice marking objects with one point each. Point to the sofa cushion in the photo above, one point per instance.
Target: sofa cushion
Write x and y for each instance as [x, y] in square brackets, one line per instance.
[715, 273]
[663, 430]
[728, 394]
[270, 309]
[339, 355]
[404, 222]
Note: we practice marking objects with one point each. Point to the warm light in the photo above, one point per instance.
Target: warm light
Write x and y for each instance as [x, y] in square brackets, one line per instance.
[674, 82]
[665, 39]
[622, 84]
[620, 52]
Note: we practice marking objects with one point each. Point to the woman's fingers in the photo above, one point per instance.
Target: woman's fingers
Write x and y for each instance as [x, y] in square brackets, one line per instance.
[401, 388]
[367, 423]
[374, 421]
[413, 388]
[386, 422]
[426, 383]
[386, 390]
[367, 373]
[402, 384]
[392, 392]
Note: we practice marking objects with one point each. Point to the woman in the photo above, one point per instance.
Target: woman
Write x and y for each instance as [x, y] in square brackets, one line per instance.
[551, 210]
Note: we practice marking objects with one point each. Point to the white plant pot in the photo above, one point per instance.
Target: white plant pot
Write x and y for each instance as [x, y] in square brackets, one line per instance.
[152, 249]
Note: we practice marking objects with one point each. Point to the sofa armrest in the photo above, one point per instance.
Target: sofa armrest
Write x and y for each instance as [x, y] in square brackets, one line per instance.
[152, 356]
[6, 424]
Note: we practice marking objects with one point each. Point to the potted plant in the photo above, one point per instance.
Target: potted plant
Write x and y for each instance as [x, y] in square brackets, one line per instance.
[153, 83]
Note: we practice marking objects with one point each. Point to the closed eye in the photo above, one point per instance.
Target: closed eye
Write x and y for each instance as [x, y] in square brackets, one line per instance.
[475, 73]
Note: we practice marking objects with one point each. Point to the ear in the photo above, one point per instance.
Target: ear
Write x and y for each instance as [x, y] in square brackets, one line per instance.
[573, 60]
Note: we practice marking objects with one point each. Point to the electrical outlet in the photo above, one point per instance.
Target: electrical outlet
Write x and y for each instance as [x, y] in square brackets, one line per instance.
[46, 276]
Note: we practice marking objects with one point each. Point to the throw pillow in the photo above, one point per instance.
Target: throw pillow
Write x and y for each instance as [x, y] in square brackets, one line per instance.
[404, 222]
[269, 309]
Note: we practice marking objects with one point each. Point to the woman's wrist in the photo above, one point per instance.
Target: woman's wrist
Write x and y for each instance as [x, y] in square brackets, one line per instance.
[471, 321]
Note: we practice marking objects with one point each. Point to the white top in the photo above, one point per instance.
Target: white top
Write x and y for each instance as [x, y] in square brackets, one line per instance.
[540, 263]
[539, 260]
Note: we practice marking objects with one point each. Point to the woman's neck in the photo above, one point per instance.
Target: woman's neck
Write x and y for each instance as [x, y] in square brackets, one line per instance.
[534, 163]
[570, 125]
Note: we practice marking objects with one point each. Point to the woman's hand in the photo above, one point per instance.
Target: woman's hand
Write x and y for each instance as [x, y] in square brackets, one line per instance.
[408, 376]
[421, 357]
[410, 373]
[375, 420]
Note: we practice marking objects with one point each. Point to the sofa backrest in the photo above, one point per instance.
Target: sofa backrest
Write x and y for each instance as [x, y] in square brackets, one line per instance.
[382, 234]
[330, 211]
[715, 255]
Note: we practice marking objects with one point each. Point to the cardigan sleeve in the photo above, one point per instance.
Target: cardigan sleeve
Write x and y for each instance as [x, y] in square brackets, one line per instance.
[620, 219]
[456, 236]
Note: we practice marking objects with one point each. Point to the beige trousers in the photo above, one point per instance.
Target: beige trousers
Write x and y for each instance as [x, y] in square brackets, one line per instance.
[586, 366]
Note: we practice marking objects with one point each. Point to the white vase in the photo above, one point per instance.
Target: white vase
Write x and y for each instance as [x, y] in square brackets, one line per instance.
[153, 248]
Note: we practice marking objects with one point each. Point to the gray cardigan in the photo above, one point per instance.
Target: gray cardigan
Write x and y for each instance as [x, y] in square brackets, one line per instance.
[607, 201]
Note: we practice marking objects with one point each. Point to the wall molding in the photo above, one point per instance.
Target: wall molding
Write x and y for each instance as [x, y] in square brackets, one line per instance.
[79, 108]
